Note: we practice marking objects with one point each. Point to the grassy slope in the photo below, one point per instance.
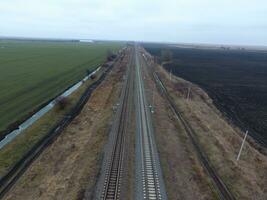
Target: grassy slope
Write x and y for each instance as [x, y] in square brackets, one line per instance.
[33, 72]
[220, 141]
[71, 164]
[13, 151]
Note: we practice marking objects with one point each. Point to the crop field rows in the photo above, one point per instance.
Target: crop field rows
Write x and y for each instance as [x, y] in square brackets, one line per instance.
[236, 80]
[31, 73]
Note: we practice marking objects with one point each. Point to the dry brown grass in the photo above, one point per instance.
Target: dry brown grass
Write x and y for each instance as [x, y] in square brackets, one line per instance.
[183, 174]
[69, 167]
[14, 150]
[247, 179]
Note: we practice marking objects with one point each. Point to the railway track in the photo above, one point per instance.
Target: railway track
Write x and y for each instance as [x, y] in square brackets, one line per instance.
[149, 182]
[11, 177]
[222, 190]
[115, 158]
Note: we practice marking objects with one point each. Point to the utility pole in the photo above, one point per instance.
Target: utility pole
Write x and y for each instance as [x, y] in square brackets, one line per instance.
[170, 75]
[238, 156]
[151, 106]
[153, 95]
[188, 93]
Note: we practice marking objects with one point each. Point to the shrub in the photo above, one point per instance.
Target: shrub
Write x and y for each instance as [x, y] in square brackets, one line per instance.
[62, 102]
[93, 76]
[110, 55]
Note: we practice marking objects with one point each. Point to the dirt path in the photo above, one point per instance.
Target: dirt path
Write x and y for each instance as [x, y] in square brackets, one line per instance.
[69, 167]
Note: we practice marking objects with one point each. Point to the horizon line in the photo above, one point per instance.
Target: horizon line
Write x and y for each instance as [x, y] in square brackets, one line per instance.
[124, 40]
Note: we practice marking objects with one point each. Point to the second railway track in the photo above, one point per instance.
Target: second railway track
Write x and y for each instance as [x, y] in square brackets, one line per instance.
[111, 184]
[149, 184]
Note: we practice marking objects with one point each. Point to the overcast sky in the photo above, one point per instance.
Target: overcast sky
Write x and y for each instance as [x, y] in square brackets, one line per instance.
[185, 21]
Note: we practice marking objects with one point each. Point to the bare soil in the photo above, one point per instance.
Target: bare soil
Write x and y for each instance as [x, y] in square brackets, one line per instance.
[69, 167]
[235, 79]
[247, 178]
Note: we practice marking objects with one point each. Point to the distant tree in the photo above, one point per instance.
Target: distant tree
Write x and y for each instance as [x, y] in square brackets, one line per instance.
[110, 55]
[166, 55]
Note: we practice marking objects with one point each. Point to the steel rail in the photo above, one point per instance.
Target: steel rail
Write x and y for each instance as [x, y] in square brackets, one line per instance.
[18, 169]
[114, 171]
[152, 181]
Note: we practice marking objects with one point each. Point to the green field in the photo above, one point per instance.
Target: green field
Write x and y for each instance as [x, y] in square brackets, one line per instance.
[32, 72]
[15, 150]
